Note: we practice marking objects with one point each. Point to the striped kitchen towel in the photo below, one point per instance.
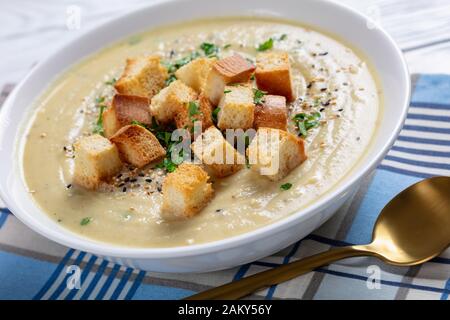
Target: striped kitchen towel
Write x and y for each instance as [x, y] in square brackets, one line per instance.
[32, 267]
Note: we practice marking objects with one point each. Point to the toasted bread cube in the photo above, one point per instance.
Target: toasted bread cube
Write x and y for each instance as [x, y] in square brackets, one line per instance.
[274, 153]
[236, 108]
[123, 111]
[195, 72]
[271, 113]
[273, 74]
[96, 160]
[165, 105]
[216, 154]
[186, 191]
[143, 76]
[232, 69]
[137, 145]
[199, 112]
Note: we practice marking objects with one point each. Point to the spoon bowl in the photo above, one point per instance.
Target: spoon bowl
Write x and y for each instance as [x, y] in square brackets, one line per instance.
[413, 228]
[415, 225]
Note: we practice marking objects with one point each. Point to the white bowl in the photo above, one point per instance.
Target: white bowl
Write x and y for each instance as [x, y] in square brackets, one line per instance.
[345, 23]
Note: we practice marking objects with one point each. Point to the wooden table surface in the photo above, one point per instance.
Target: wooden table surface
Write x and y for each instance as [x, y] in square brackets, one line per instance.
[33, 29]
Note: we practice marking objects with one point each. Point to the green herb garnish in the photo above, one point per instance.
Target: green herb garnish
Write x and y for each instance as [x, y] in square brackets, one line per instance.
[193, 109]
[209, 48]
[306, 122]
[252, 77]
[265, 45]
[85, 221]
[283, 37]
[227, 46]
[98, 128]
[167, 164]
[258, 96]
[138, 123]
[170, 79]
[99, 100]
[286, 186]
[226, 91]
[215, 113]
[111, 82]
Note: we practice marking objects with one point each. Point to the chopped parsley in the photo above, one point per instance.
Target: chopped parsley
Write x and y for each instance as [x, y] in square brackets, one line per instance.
[283, 37]
[306, 122]
[85, 221]
[209, 49]
[170, 79]
[252, 77]
[286, 186]
[265, 45]
[98, 128]
[215, 113]
[99, 100]
[111, 82]
[227, 46]
[258, 96]
[138, 123]
[226, 91]
[193, 109]
[167, 164]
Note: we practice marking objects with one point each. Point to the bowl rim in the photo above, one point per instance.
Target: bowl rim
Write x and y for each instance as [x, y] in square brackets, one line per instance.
[71, 239]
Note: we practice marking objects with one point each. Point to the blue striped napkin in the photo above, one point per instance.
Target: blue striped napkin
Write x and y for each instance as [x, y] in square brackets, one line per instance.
[32, 267]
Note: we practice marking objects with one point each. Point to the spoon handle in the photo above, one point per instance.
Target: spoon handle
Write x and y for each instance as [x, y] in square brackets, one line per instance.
[243, 287]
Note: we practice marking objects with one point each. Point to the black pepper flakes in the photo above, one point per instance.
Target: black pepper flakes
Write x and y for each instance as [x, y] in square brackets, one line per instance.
[323, 53]
[124, 189]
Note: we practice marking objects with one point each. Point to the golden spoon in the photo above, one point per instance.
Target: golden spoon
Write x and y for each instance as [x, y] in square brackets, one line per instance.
[413, 228]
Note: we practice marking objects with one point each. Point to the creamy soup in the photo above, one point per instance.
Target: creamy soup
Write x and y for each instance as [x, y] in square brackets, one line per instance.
[329, 78]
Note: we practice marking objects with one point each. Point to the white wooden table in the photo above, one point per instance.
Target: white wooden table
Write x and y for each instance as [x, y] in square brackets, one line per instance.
[32, 29]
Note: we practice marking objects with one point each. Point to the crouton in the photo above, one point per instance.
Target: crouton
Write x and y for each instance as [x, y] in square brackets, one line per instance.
[232, 69]
[195, 72]
[274, 153]
[216, 154]
[186, 191]
[123, 111]
[143, 76]
[236, 108]
[96, 160]
[137, 145]
[195, 111]
[273, 74]
[271, 113]
[165, 105]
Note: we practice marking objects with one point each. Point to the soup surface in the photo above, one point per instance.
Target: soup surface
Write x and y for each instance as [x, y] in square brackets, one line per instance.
[329, 78]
